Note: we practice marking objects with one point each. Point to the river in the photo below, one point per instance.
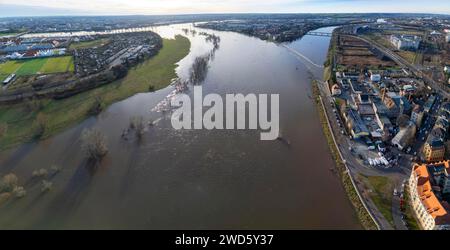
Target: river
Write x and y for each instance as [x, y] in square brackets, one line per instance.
[195, 179]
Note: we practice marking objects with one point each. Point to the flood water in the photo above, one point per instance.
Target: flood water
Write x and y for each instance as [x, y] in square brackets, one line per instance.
[194, 179]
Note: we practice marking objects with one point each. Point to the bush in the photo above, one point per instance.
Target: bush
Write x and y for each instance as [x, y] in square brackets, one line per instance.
[3, 129]
[120, 71]
[94, 144]
[97, 106]
[33, 105]
[41, 124]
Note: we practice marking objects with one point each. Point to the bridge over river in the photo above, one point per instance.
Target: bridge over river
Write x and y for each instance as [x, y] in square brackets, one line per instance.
[315, 33]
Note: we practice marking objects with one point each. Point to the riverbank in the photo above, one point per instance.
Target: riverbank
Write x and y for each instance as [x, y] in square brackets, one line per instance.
[39, 119]
[362, 213]
[363, 216]
[377, 198]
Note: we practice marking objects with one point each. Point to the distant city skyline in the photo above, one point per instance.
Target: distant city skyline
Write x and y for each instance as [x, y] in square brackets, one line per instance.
[149, 7]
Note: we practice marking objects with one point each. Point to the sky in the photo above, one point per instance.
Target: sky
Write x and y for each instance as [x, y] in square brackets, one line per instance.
[148, 7]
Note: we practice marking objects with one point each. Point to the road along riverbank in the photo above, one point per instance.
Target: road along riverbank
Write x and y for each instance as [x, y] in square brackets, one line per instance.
[365, 217]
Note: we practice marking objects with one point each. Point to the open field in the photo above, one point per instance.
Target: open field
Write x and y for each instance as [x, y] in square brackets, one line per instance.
[37, 66]
[381, 194]
[408, 56]
[58, 65]
[31, 67]
[354, 52]
[10, 67]
[8, 34]
[383, 40]
[21, 119]
[404, 32]
[90, 44]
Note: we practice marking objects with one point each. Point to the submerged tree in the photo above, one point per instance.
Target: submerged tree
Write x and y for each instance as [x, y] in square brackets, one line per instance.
[199, 70]
[138, 125]
[9, 187]
[8, 182]
[46, 186]
[94, 144]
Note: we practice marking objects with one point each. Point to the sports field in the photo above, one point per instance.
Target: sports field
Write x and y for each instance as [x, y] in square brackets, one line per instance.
[156, 72]
[37, 66]
[90, 44]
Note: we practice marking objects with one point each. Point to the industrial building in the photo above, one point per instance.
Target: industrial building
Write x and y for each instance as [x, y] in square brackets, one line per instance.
[355, 124]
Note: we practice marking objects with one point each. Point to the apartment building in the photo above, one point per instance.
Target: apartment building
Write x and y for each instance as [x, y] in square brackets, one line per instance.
[428, 184]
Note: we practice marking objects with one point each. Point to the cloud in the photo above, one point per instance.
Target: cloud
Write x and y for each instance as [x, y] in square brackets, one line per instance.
[231, 6]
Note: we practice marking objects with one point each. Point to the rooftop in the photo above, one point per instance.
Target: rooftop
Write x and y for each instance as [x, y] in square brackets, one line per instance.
[437, 209]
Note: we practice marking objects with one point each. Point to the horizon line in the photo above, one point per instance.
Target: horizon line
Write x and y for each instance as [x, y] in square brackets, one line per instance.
[228, 13]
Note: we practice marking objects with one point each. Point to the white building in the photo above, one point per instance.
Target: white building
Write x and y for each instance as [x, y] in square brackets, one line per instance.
[406, 42]
[375, 77]
[447, 69]
[405, 136]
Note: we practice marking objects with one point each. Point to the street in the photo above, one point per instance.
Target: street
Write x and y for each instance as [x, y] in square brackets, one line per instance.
[357, 165]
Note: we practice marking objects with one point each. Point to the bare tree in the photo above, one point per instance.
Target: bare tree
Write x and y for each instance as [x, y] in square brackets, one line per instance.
[41, 124]
[94, 144]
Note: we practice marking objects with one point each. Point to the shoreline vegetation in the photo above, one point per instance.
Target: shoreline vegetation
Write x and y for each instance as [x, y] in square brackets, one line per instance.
[362, 214]
[41, 118]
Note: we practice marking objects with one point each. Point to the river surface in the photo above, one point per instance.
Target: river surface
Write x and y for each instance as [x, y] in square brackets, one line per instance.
[195, 179]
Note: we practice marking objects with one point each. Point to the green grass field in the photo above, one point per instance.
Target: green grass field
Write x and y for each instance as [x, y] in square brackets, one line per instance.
[8, 34]
[58, 64]
[90, 44]
[37, 66]
[31, 67]
[382, 189]
[157, 72]
[10, 67]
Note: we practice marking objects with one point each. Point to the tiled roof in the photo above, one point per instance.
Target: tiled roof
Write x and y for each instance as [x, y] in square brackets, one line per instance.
[437, 209]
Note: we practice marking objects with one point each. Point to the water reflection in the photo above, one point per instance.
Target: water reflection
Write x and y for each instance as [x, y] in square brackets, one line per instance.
[195, 179]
